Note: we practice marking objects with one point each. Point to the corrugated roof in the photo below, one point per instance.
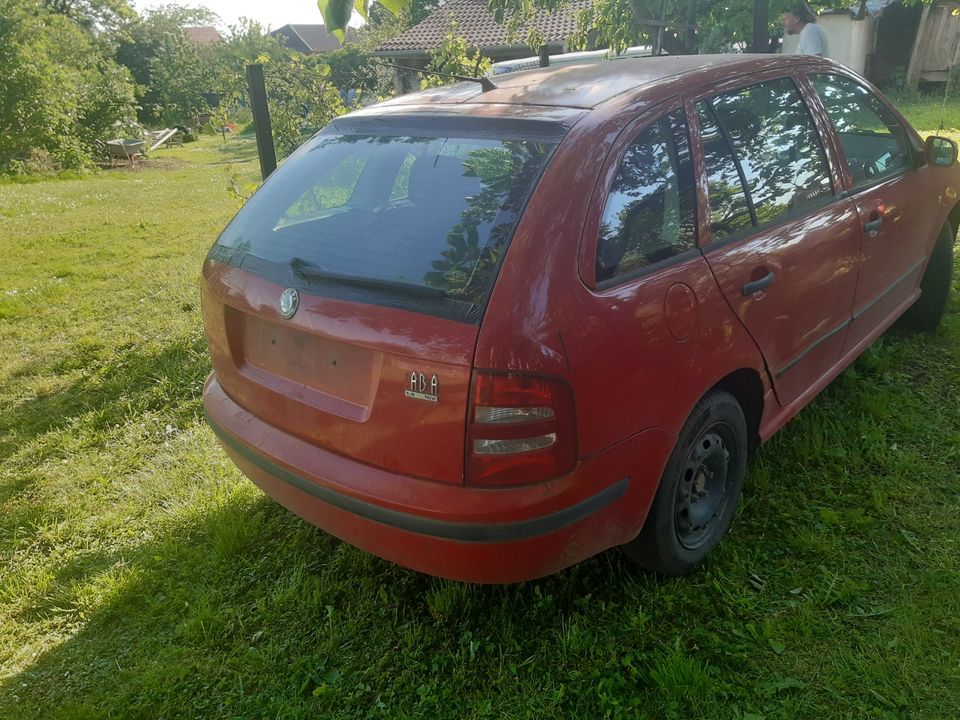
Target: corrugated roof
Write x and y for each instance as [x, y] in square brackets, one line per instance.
[312, 38]
[476, 23]
[203, 35]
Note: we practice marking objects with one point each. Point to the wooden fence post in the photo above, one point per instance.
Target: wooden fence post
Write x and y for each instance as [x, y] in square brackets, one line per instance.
[918, 55]
[261, 120]
[761, 20]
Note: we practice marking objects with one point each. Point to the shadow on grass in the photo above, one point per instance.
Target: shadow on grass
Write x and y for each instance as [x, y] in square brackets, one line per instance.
[247, 611]
[111, 390]
[236, 152]
[240, 609]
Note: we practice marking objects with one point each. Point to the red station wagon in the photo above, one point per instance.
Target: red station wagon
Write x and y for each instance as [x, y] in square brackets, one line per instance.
[486, 333]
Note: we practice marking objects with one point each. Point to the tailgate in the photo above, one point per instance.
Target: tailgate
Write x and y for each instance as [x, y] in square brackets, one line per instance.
[384, 386]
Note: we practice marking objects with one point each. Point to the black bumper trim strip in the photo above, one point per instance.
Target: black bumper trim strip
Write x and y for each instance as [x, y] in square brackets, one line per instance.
[846, 323]
[462, 532]
[812, 346]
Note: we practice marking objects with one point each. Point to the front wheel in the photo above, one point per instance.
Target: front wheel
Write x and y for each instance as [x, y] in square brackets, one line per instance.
[925, 314]
[699, 490]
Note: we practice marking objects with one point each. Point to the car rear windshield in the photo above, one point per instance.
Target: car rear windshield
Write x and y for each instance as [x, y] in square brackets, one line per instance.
[398, 218]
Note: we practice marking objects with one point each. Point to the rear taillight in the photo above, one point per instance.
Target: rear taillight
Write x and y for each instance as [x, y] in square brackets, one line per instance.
[521, 429]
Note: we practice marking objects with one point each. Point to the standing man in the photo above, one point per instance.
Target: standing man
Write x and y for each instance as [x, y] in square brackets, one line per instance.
[799, 19]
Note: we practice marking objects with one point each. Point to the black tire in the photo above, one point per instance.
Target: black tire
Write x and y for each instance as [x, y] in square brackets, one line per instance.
[925, 314]
[699, 490]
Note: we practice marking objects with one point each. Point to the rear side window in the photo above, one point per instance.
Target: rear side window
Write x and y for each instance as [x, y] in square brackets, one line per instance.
[729, 206]
[428, 217]
[874, 142]
[650, 214]
[778, 149]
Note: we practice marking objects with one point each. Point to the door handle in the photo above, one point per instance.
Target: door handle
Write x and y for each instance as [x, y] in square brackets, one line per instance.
[872, 227]
[755, 286]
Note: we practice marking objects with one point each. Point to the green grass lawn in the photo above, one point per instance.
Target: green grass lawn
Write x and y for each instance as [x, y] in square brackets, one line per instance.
[144, 577]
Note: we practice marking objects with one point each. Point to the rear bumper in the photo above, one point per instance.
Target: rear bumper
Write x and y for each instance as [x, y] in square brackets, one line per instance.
[453, 531]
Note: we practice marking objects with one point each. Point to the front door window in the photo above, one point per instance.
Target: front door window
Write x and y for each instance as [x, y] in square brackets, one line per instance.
[893, 216]
[874, 143]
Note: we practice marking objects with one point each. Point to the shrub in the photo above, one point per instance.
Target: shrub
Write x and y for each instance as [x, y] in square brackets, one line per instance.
[61, 94]
[302, 99]
[453, 57]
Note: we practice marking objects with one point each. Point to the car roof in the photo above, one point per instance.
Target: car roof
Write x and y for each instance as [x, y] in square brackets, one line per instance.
[584, 87]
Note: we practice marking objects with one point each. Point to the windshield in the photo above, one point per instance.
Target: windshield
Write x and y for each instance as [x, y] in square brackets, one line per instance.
[403, 212]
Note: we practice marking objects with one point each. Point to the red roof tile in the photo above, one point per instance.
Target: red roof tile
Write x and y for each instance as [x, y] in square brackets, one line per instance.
[476, 23]
[203, 35]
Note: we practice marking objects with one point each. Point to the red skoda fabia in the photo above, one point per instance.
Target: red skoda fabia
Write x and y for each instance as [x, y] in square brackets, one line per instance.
[489, 332]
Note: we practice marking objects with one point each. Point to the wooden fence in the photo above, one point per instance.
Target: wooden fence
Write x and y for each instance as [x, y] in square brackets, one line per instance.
[937, 45]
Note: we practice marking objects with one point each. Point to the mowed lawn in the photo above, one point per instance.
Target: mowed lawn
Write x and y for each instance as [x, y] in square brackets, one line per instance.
[141, 576]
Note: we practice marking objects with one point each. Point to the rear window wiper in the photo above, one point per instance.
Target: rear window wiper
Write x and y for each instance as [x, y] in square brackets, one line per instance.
[310, 271]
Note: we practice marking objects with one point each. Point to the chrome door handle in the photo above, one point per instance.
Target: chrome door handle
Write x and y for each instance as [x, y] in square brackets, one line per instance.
[752, 288]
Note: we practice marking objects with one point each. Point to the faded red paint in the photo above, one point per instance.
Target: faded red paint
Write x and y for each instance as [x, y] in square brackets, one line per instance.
[638, 356]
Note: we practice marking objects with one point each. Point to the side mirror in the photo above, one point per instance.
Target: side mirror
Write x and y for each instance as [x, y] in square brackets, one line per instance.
[941, 151]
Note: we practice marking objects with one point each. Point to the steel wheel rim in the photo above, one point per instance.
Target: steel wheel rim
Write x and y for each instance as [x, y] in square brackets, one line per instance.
[704, 488]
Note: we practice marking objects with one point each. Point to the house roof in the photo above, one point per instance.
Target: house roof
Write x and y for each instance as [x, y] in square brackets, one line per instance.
[312, 38]
[476, 23]
[203, 35]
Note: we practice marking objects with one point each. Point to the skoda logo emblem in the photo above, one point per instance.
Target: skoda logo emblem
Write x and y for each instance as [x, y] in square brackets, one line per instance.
[289, 302]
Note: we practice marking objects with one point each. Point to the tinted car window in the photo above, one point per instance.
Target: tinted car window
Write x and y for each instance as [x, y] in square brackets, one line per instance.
[400, 212]
[777, 146]
[729, 207]
[333, 189]
[873, 140]
[650, 214]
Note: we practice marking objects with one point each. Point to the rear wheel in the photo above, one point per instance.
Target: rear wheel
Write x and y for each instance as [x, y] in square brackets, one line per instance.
[925, 314]
[699, 490]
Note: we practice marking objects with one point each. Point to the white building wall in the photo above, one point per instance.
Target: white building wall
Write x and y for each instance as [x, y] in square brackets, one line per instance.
[849, 41]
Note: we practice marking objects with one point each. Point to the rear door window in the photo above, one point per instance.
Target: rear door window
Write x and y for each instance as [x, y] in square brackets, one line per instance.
[874, 142]
[424, 216]
[777, 147]
[730, 209]
[649, 215]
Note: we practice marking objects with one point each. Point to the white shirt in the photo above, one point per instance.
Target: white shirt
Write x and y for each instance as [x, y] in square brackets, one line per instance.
[813, 41]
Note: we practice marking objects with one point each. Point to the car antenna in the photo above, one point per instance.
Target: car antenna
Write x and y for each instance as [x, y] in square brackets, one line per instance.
[485, 83]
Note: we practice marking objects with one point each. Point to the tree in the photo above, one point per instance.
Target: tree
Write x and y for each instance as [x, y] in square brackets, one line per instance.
[677, 26]
[172, 73]
[61, 95]
[352, 69]
[94, 16]
[139, 40]
[614, 23]
[300, 91]
[415, 11]
[249, 41]
[454, 58]
[302, 99]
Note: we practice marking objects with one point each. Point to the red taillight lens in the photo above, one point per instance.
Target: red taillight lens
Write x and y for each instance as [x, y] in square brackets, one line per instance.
[521, 429]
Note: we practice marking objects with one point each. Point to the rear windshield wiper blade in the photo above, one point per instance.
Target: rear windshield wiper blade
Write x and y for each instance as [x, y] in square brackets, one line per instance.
[310, 271]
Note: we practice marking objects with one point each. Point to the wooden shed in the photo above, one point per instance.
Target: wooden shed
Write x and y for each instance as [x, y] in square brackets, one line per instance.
[936, 48]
